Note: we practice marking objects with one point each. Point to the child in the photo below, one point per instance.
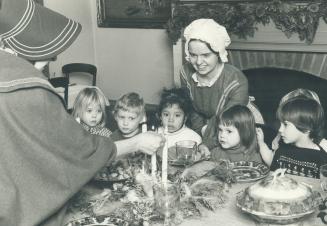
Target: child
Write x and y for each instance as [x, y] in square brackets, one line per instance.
[90, 111]
[174, 108]
[236, 136]
[129, 113]
[301, 121]
[303, 93]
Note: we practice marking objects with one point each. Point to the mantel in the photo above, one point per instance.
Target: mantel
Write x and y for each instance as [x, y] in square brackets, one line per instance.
[268, 25]
[259, 24]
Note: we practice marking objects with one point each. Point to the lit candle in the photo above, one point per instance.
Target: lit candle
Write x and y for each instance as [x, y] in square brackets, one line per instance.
[165, 160]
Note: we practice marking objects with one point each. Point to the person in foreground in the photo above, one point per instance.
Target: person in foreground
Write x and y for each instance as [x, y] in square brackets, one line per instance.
[237, 136]
[301, 123]
[90, 111]
[46, 155]
[213, 84]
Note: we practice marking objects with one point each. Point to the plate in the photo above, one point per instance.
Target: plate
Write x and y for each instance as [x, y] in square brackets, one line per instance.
[97, 221]
[244, 171]
[112, 175]
[274, 219]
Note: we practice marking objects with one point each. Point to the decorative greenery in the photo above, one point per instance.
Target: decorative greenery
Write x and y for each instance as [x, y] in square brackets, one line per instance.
[242, 18]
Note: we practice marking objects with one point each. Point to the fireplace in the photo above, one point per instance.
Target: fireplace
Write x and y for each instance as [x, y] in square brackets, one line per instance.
[272, 74]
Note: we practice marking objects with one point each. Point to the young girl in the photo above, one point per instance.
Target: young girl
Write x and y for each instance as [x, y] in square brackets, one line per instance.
[302, 120]
[90, 111]
[174, 108]
[236, 136]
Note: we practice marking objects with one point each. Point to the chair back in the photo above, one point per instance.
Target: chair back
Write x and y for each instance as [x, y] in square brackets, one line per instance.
[61, 82]
[80, 67]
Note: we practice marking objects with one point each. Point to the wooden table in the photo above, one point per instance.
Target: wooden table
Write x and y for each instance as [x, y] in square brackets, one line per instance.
[231, 215]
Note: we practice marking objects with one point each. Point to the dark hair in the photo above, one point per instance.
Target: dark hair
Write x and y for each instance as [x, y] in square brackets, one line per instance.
[306, 115]
[242, 118]
[178, 96]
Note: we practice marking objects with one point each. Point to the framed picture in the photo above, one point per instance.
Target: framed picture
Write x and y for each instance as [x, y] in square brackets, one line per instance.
[133, 13]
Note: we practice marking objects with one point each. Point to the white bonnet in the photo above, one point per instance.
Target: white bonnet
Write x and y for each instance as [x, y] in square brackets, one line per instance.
[209, 31]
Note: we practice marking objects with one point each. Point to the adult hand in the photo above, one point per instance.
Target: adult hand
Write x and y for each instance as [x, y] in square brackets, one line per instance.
[150, 142]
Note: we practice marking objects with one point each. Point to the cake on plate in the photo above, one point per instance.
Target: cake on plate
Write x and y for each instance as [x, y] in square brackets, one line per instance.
[278, 197]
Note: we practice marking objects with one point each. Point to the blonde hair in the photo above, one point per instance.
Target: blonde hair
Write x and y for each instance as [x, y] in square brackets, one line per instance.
[131, 102]
[86, 97]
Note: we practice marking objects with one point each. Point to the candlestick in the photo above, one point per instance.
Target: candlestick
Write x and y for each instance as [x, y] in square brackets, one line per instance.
[165, 160]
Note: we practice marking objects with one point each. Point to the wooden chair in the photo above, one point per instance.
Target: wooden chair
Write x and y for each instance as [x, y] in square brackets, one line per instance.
[61, 85]
[78, 69]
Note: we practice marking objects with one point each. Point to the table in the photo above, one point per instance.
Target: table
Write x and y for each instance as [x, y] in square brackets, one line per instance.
[231, 215]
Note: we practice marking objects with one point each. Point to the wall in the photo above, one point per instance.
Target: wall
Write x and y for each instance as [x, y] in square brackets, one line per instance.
[138, 60]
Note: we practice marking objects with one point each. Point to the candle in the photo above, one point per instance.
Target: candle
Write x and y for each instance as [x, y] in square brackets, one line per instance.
[153, 156]
[153, 165]
[164, 161]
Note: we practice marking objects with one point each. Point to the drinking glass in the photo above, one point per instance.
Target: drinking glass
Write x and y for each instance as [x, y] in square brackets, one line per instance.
[166, 199]
[186, 151]
[323, 177]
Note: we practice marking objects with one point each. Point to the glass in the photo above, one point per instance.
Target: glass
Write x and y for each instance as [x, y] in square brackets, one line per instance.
[323, 177]
[166, 201]
[186, 151]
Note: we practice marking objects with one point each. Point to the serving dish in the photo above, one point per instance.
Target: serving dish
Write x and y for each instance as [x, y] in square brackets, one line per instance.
[244, 171]
[278, 199]
[97, 221]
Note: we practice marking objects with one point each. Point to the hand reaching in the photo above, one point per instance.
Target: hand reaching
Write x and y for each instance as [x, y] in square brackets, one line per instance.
[150, 142]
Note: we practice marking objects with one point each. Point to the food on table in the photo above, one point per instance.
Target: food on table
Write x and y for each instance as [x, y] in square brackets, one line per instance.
[279, 196]
[113, 174]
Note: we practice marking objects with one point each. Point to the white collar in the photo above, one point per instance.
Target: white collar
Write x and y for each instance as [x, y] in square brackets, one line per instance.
[208, 83]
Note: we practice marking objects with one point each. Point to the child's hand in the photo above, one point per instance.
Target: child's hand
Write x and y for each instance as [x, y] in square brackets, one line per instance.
[260, 135]
[204, 150]
[275, 142]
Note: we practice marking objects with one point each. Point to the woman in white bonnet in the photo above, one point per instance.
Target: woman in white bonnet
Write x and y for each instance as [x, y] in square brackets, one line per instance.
[214, 85]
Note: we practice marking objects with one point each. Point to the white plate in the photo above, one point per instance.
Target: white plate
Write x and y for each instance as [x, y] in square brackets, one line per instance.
[97, 221]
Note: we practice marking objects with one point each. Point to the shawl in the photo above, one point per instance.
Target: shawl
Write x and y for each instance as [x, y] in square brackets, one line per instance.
[46, 156]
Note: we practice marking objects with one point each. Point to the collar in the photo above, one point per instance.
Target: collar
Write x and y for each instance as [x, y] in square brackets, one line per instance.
[210, 82]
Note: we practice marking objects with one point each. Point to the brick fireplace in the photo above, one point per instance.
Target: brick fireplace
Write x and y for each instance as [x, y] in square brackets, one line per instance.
[309, 62]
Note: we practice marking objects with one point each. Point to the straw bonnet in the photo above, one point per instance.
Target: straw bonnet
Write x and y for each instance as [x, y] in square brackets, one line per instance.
[209, 31]
[33, 31]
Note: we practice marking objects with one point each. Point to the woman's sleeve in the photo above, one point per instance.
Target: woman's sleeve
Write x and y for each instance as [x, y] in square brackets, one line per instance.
[239, 93]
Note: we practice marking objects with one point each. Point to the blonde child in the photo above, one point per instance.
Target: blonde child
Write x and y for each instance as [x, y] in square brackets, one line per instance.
[236, 136]
[129, 113]
[90, 111]
[174, 109]
[301, 123]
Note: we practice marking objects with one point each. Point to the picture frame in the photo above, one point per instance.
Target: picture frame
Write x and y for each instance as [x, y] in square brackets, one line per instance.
[133, 13]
